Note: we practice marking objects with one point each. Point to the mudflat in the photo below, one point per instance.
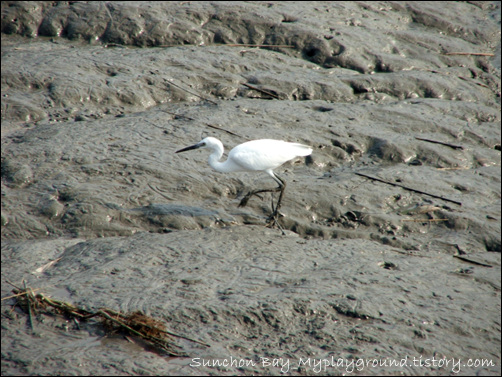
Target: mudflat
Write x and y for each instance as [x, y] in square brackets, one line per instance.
[390, 258]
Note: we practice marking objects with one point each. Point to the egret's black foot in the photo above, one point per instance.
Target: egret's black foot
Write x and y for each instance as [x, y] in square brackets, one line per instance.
[248, 196]
[273, 221]
[244, 201]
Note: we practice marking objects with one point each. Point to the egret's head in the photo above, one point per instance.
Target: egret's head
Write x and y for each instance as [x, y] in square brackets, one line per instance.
[208, 142]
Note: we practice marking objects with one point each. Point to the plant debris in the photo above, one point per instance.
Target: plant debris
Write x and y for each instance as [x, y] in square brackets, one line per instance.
[151, 330]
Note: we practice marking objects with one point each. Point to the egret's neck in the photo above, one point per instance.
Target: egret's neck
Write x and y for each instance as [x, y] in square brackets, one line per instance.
[214, 159]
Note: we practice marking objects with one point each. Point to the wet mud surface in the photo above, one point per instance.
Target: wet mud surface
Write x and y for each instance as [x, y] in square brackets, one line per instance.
[97, 97]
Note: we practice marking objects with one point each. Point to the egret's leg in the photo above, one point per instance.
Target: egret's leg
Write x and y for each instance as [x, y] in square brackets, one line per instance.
[248, 196]
[273, 218]
[282, 187]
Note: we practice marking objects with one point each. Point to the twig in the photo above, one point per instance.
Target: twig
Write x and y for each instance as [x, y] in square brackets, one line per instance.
[229, 45]
[206, 124]
[477, 83]
[251, 45]
[440, 142]
[108, 316]
[65, 307]
[11, 283]
[261, 90]
[424, 220]
[464, 258]
[408, 188]
[470, 53]
[22, 293]
[192, 93]
[118, 314]
[187, 338]
[162, 343]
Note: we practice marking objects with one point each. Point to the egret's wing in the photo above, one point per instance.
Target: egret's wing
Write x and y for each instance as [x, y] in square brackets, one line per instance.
[266, 154]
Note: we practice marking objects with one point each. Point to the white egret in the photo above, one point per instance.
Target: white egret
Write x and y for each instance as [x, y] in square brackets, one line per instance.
[256, 155]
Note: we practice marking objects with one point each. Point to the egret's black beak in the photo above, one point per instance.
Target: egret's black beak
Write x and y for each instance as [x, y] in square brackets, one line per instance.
[196, 146]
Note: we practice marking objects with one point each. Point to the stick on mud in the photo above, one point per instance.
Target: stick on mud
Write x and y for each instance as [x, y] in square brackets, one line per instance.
[409, 189]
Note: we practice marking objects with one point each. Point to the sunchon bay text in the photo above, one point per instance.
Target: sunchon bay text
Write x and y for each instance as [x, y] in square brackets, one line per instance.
[317, 365]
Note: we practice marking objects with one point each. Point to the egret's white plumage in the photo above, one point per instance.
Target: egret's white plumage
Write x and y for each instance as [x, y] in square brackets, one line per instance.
[256, 155]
